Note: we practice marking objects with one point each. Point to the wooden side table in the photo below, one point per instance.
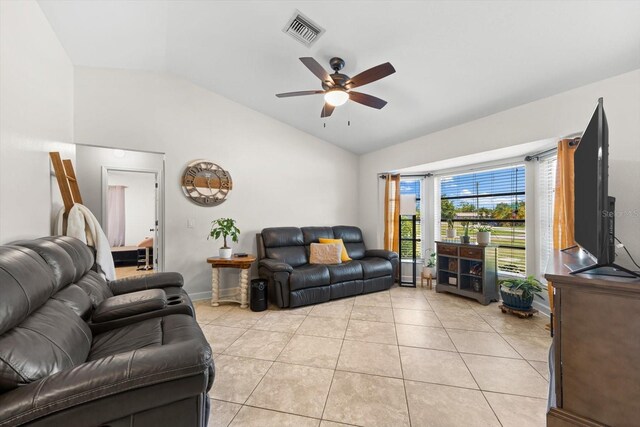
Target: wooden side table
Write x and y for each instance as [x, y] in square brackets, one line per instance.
[241, 294]
[429, 280]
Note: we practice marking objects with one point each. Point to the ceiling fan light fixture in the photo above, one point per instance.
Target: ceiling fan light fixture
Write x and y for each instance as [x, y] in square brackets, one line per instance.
[336, 97]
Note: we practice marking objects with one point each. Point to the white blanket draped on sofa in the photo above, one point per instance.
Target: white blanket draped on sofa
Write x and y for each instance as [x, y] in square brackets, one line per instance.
[83, 225]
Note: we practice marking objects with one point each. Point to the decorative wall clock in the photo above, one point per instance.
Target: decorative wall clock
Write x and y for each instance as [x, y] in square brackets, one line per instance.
[206, 183]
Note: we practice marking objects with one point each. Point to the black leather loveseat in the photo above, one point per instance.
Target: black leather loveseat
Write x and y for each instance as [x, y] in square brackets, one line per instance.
[283, 254]
[78, 351]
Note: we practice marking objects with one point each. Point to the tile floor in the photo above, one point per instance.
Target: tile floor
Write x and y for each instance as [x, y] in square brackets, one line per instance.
[403, 357]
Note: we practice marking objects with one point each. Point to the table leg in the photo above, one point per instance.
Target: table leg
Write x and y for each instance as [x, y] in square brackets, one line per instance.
[244, 287]
[215, 286]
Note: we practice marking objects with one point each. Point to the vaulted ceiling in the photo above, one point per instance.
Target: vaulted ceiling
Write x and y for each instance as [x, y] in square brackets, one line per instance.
[456, 61]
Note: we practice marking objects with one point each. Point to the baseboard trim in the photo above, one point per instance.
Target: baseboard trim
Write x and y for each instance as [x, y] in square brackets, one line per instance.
[200, 295]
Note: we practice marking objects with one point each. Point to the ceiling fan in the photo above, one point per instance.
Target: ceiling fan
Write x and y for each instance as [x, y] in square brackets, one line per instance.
[337, 87]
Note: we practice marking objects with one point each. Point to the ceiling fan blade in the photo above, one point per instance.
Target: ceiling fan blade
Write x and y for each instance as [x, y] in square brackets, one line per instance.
[317, 69]
[368, 100]
[370, 75]
[300, 93]
[327, 110]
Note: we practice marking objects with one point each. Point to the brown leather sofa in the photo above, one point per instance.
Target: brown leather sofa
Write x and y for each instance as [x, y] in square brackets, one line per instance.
[76, 350]
[283, 254]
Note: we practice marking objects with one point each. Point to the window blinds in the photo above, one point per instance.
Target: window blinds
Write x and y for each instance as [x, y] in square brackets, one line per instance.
[545, 191]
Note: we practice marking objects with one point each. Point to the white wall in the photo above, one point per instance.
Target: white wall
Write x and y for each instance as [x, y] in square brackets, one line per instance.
[139, 204]
[551, 117]
[281, 176]
[36, 116]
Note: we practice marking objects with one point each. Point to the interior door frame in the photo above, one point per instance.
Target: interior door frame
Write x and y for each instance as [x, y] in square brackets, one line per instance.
[158, 238]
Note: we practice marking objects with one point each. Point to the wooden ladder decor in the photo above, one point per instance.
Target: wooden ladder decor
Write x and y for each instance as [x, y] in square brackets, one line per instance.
[67, 181]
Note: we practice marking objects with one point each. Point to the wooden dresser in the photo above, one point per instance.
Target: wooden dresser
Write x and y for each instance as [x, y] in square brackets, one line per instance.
[468, 270]
[597, 348]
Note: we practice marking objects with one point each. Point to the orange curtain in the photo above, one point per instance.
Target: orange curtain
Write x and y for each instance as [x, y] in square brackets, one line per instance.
[563, 206]
[391, 213]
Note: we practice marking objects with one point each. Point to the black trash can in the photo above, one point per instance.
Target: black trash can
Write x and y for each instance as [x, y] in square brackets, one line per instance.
[258, 295]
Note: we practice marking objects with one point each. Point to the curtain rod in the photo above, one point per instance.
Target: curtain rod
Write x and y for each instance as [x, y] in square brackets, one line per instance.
[574, 141]
[424, 175]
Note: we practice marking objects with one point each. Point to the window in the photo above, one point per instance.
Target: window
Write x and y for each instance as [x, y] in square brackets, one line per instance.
[411, 186]
[492, 197]
[545, 195]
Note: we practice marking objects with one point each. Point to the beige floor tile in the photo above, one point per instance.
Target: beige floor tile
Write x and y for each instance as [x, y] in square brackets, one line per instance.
[337, 311]
[416, 317]
[325, 423]
[467, 320]
[375, 299]
[410, 303]
[374, 314]
[236, 377]
[205, 313]
[279, 322]
[487, 343]
[265, 345]
[530, 347]
[295, 389]
[256, 417]
[491, 309]
[436, 405]
[298, 311]
[435, 366]
[518, 411]
[424, 336]
[406, 292]
[512, 325]
[541, 367]
[363, 330]
[238, 318]
[319, 352]
[323, 327]
[222, 413]
[221, 337]
[367, 400]
[370, 358]
[502, 375]
[459, 304]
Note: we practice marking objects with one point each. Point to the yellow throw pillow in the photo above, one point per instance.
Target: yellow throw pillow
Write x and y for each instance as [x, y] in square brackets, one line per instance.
[345, 254]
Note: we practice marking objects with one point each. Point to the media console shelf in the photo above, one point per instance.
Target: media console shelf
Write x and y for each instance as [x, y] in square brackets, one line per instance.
[468, 270]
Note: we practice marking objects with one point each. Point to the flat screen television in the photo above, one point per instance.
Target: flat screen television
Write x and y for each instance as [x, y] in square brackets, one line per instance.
[594, 208]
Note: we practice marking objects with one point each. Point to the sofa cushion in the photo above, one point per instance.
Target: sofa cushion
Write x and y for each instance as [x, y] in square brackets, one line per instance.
[309, 276]
[56, 258]
[285, 244]
[344, 272]
[326, 254]
[79, 252]
[352, 238]
[313, 234]
[26, 282]
[344, 255]
[375, 267]
[95, 286]
[50, 340]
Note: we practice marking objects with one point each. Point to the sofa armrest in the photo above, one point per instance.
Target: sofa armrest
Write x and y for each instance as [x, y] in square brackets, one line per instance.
[381, 253]
[149, 281]
[130, 304]
[111, 375]
[275, 266]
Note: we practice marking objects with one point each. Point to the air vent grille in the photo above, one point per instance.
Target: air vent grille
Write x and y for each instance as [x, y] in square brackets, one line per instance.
[303, 29]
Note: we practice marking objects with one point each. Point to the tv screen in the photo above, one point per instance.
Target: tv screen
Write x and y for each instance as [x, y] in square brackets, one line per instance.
[592, 216]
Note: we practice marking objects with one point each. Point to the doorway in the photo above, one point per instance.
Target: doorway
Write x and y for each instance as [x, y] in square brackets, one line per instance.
[130, 219]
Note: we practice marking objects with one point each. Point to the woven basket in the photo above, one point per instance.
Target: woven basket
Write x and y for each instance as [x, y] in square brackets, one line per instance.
[516, 301]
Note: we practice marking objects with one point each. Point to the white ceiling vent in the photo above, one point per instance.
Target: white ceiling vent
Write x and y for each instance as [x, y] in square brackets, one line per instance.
[303, 29]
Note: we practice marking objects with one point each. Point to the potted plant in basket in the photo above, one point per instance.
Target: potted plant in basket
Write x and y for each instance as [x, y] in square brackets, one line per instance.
[518, 293]
[465, 238]
[483, 235]
[224, 227]
[430, 263]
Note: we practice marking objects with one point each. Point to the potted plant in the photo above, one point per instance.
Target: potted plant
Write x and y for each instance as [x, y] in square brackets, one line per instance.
[483, 236]
[224, 227]
[451, 232]
[465, 238]
[430, 263]
[518, 293]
